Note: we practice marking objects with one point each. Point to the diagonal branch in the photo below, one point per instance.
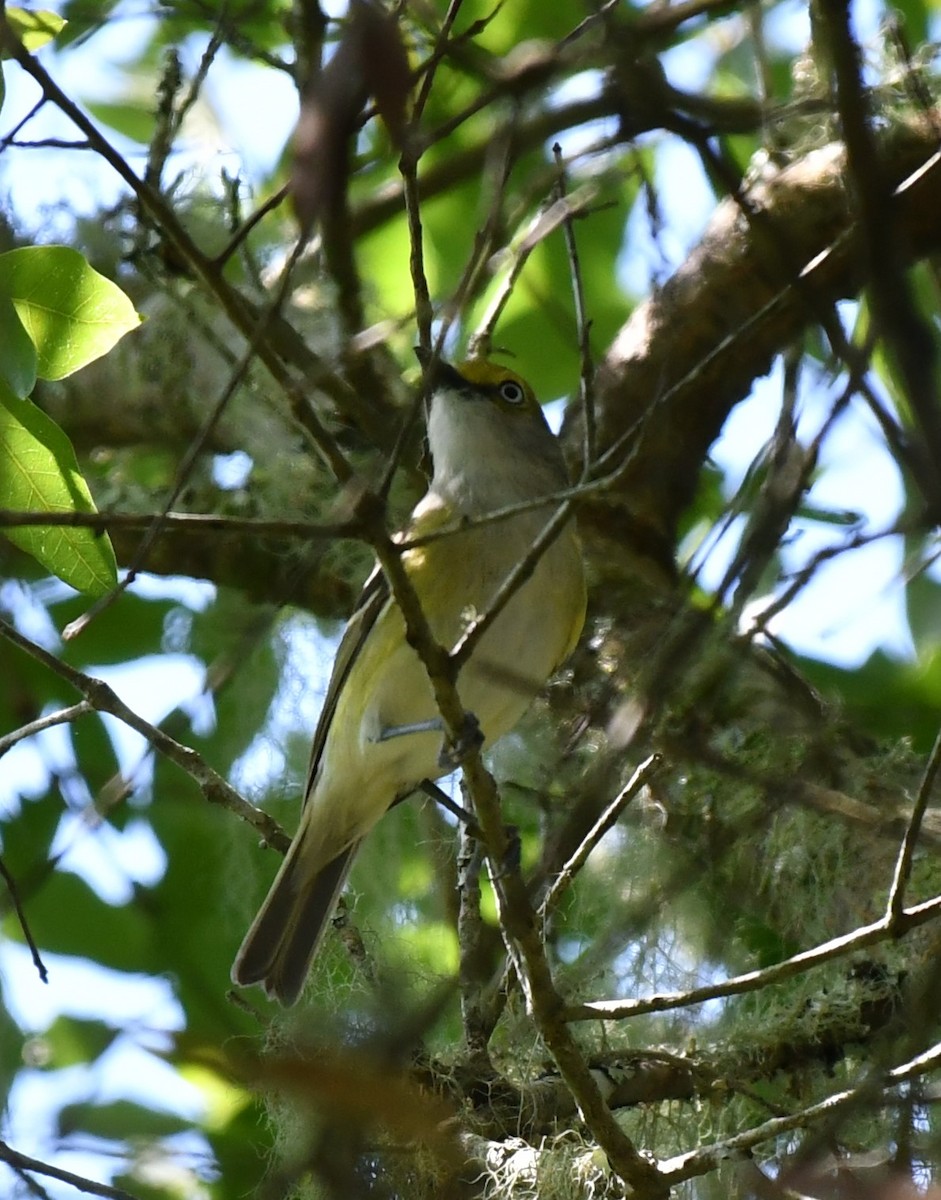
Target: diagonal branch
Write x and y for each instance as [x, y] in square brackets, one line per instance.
[237, 308]
[23, 1163]
[692, 351]
[103, 699]
[752, 981]
[707, 1158]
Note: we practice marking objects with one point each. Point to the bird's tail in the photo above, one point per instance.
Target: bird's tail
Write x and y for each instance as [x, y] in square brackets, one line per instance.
[283, 939]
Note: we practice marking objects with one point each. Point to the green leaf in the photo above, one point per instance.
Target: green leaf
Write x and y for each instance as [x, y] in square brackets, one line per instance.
[890, 698]
[27, 838]
[538, 324]
[131, 630]
[131, 120]
[34, 29]
[11, 1053]
[17, 352]
[67, 917]
[512, 25]
[120, 1120]
[73, 1040]
[242, 1146]
[72, 314]
[39, 473]
[922, 595]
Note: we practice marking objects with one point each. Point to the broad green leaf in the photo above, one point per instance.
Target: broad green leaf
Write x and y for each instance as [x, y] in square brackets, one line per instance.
[923, 607]
[511, 25]
[119, 1120]
[72, 314]
[538, 324]
[17, 352]
[242, 1146]
[67, 917]
[132, 120]
[34, 29]
[39, 473]
[134, 628]
[200, 924]
[12, 1041]
[73, 1040]
[27, 835]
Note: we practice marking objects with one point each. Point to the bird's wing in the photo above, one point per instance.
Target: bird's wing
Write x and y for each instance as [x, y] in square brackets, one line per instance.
[372, 600]
[430, 516]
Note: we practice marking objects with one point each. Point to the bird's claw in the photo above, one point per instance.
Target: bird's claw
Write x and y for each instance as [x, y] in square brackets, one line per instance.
[455, 751]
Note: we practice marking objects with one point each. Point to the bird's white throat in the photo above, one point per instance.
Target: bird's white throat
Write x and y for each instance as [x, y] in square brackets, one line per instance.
[483, 457]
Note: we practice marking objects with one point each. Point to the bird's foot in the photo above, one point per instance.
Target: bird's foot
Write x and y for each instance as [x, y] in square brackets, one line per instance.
[468, 738]
[512, 858]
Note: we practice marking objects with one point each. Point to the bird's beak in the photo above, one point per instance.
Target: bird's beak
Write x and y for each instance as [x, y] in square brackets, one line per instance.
[439, 373]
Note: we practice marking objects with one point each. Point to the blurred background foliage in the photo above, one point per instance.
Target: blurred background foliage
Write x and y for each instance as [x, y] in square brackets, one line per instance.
[790, 764]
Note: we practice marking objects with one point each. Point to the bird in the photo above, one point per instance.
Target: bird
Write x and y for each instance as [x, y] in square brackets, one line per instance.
[379, 735]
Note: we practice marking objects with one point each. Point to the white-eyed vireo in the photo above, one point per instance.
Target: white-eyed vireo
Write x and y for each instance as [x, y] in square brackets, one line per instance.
[379, 734]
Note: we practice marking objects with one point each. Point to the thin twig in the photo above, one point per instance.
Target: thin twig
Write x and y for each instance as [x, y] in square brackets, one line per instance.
[23, 1162]
[906, 856]
[213, 46]
[544, 222]
[476, 628]
[8, 139]
[706, 1158]
[439, 796]
[431, 63]
[408, 167]
[61, 717]
[239, 236]
[161, 141]
[423, 315]
[477, 269]
[192, 523]
[473, 972]
[608, 818]
[586, 379]
[194, 449]
[24, 924]
[752, 981]
[801, 578]
[52, 143]
[424, 309]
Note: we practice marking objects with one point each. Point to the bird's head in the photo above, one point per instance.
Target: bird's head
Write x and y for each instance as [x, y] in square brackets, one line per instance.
[489, 440]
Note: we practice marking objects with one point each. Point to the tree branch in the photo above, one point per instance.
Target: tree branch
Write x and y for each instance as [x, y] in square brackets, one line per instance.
[692, 351]
[23, 1162]
[103, 699]
[867, 935]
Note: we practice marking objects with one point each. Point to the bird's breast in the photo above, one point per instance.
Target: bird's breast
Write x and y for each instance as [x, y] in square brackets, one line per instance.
[387, 690]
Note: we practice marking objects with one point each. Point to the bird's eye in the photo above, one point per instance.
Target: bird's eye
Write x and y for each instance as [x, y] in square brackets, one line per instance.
[511, 392]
